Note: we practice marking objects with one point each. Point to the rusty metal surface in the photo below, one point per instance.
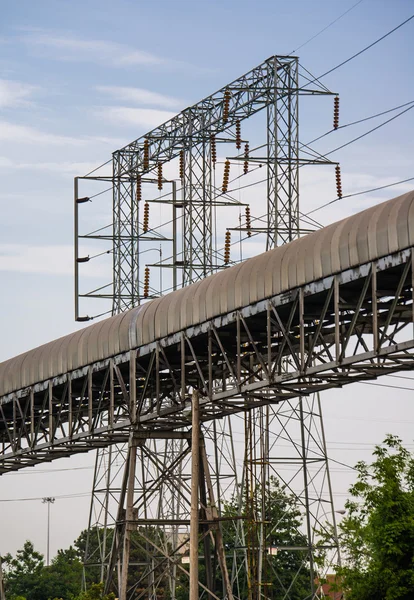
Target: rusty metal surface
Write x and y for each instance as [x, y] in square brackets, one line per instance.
[362, 238]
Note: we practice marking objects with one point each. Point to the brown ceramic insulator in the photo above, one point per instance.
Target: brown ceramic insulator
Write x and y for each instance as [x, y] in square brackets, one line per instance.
[213, 148]
[227, 243]
[182, 165]
[146, 282]
[159, 172]
[338, 181]
[248, 222]
[226, 106]
[336, 113]
[246, 159]
[226, 176]
[145, 224]
[139, 189]
[238, 135]
[146, 155]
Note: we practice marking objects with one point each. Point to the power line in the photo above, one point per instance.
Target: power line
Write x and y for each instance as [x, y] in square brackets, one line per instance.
[37, 498]
[376, 189]
[385, 385]
[370, 131]
[363, 50]
[380, 114]
[327, 26]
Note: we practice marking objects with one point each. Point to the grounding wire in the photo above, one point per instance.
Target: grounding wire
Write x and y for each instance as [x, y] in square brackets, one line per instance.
[382, 187]
[380, 114]
[344, 62]
[97, 168]
[370, 131]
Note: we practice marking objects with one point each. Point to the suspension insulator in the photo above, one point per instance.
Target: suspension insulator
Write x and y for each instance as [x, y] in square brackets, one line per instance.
[182, 165]
[145, 224]
[213, 149]
[336, 113]
[238, 135]
[248, 222]
[226, 106]
[226, 176]
[146, 282]
[338, 181]
[146, 155]
[227, 243]
[160, 176]
[139, 189]
[246, 159]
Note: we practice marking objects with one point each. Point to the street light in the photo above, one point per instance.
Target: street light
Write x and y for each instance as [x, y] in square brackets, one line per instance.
[49, 500]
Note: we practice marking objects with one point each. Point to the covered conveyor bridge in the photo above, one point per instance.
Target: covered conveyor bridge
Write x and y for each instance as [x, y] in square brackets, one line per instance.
[326, 310]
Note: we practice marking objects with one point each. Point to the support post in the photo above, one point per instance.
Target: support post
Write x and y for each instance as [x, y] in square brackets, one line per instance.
[128, 518]
[307, 502]
[194, 521]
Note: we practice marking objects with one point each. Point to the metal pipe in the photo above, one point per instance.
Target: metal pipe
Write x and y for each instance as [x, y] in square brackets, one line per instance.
[194, 519]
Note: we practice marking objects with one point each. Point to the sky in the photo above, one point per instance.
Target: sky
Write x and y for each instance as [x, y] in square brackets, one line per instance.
[80, 79]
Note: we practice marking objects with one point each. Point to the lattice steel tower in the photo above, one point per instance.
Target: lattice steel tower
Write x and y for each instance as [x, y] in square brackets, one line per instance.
[194, 242]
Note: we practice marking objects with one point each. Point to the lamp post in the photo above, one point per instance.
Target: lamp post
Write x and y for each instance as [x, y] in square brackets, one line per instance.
[49, 500]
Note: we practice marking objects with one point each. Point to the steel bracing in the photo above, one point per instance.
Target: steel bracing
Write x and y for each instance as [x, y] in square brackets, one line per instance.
[192, 138]
[191, 144]
[353, 326]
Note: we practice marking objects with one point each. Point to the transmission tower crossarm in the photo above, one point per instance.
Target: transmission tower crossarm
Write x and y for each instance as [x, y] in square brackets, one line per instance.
[238, 100]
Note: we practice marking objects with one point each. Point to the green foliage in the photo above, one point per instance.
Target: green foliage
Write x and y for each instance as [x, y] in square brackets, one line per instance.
[23, 574]
[95, 592]
[63, 578]
[26, 575]
[377, 535]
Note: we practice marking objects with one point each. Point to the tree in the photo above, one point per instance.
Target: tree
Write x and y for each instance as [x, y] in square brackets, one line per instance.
[27, 577]
[377, 535]
[63, 579]
[23, 575]
[95, 592]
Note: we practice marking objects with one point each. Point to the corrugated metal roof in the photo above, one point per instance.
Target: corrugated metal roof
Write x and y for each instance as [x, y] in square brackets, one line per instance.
[366, 236]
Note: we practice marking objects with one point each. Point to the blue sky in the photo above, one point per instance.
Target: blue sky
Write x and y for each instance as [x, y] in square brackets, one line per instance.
[80, 79]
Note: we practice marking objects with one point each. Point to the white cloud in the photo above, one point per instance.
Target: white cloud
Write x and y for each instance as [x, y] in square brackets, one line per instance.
[70, 48]
[141, 117]
[140, 96]
[14, 93]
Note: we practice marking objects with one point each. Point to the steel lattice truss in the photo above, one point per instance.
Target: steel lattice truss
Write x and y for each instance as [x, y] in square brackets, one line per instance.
[354, 326]
[274, 87]
[264, 362]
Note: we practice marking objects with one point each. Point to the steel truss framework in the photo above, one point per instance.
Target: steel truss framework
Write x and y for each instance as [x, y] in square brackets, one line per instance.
[345, 328]
[273, 87]
[353, 326]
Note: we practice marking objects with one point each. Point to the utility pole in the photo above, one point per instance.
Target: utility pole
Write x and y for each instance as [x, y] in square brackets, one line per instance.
[48, 500]
[195, 470]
